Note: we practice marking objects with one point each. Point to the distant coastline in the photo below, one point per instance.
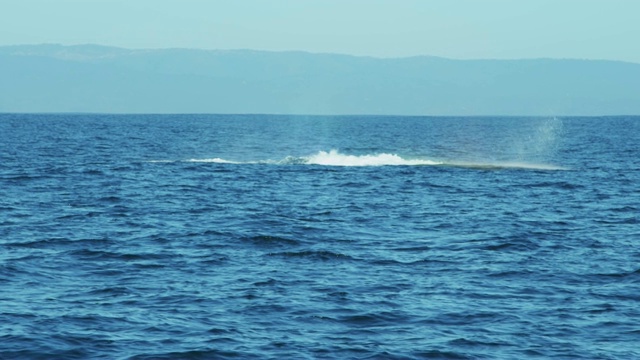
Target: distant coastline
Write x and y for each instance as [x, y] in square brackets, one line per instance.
[99, 79]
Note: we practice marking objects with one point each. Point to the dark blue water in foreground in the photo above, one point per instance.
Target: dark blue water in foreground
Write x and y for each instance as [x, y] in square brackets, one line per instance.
[274, 237]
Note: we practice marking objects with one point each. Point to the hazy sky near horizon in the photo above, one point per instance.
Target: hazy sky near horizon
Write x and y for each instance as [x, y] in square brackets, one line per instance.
[462, 29]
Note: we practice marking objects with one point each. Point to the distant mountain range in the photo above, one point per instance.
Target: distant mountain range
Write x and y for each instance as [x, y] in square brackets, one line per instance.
[92, 78]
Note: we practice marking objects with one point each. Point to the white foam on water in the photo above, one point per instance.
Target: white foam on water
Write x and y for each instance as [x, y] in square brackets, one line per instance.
[334, 158]
[214, 160]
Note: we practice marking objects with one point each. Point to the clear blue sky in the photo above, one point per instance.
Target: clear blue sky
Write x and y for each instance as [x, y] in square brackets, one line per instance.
[586, 29]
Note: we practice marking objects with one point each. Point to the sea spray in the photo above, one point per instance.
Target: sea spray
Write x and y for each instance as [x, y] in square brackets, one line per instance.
[540, 142]
[336, 158]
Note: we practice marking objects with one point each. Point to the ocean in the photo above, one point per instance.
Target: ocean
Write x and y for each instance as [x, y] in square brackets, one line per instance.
[319, 237]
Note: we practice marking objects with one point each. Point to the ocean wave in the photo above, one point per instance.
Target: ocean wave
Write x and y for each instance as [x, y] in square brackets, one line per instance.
[214, 160]
[336, 158]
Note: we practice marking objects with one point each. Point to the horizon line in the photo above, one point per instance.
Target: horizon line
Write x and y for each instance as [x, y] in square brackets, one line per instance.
[310, 115]
[79, 45]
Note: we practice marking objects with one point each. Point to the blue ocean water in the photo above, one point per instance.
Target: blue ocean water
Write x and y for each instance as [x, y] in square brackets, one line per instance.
[293, 237]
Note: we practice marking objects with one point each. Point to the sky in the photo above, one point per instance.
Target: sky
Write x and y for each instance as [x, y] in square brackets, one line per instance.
[459, 29]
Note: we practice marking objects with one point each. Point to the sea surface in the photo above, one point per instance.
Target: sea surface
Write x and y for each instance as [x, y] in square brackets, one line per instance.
[319, 237]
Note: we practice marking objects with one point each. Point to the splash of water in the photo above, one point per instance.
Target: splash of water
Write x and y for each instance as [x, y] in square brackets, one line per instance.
[335, 158]
[541, 141]
[214, 160]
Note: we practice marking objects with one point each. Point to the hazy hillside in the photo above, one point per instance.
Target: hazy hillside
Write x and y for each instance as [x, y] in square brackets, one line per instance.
[90, 78]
